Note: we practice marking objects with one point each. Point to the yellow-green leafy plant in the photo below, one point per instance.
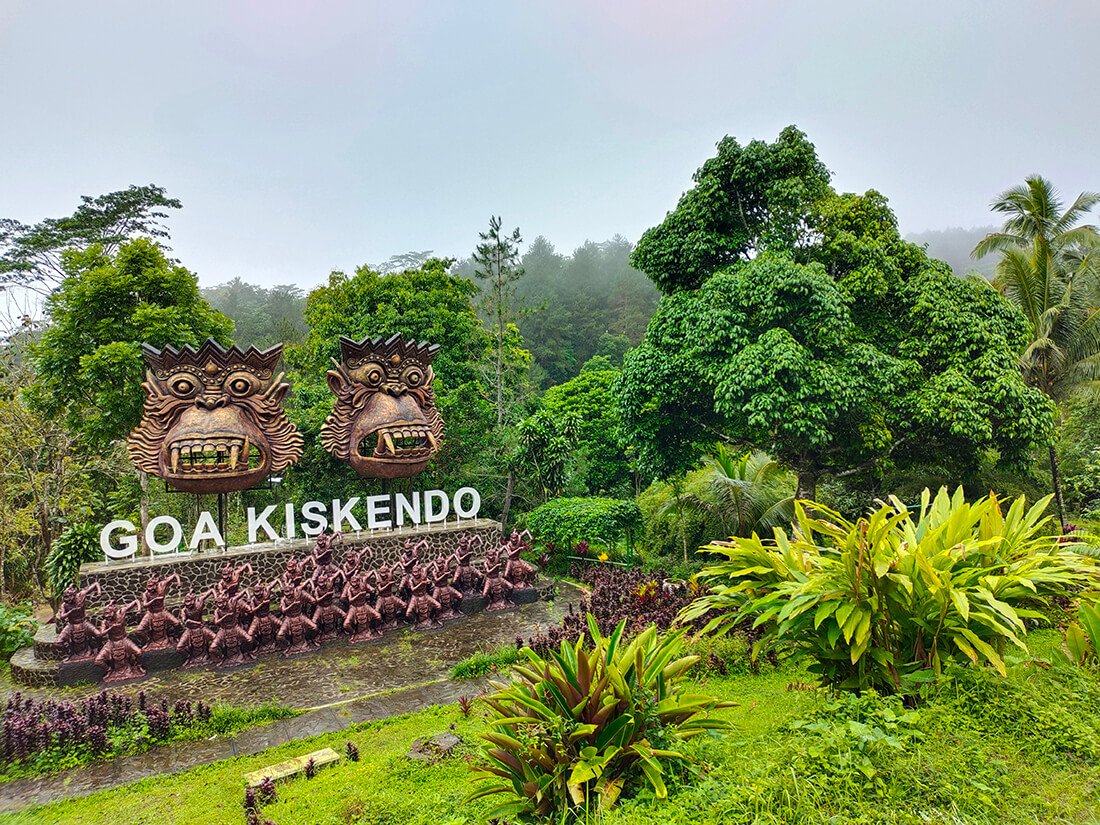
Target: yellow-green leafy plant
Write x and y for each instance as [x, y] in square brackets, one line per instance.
[581, 726]
[1083, 635]
[882, 600]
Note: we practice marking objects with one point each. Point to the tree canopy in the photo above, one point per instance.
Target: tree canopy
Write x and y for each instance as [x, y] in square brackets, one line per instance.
[837, 347]
[88, 361]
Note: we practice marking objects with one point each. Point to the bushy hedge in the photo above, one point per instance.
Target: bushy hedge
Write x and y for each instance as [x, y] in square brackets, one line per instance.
[564, 522]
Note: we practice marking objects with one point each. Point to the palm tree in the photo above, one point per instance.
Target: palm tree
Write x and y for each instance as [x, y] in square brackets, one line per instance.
[1049, 270]
[736, 493]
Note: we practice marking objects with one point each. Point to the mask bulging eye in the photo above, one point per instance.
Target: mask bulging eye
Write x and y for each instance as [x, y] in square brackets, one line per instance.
[240, 384]
[183, 386]
[413, 377]
[371, 374]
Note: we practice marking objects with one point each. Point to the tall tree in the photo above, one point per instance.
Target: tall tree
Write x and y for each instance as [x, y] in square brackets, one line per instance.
[88, 361]
[31, 256]
[497, 264]
[828, 342]
[1049, 269]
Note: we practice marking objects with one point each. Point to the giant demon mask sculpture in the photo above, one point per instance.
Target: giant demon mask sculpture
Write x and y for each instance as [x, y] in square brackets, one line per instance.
[384, 422]
[213, 419]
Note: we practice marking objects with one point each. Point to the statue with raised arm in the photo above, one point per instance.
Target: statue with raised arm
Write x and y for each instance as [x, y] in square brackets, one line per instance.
[157, 625]
[194, 644]
[79, 638]
[120, 657]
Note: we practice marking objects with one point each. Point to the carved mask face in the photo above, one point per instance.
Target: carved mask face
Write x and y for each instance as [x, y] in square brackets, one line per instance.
[213, 419]
[384, 422]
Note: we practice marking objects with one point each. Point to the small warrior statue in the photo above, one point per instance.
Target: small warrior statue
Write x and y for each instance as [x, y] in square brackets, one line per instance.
[229, 584]
[467, 577]
[389, 606]
[120, 657]
[194, 644]
[516, 570]
[362, 620]
[422, 607]
[327, 615]
[497, 589]
[294, 573]
[322, 557]
[231, 643]
[296, 630]
[157, 625]
[356, 560]
[410, 558]
[79, 638]
[264, 629]
[443, 592]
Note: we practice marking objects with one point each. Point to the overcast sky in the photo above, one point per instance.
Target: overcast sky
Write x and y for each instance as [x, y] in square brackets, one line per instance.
[307, 136]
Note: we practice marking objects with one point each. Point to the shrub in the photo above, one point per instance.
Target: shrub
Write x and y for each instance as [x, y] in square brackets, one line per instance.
[77, 544]
[876, 601]
[587, 723]
[564, 522]
[616, 594]
[17, 629]
[482, 664]
[1083, 636]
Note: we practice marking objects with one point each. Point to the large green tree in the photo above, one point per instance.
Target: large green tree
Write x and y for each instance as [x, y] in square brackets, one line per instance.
[817, 334]
[1049, 269]
[428, 304]
[88, 360]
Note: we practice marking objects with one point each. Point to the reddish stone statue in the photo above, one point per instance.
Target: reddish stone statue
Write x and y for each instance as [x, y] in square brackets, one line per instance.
[263, 627]
[362, 620]
[497, 589]
[321, 558]
[467, 577]
[157, 625]
[389, 606]
[120, 657]
[422, 608]
[231, 643]
[294, 573]
[447, 596]
[194, 644]
[327, 615]
[410, 558]
[79, 638]
[516, 570]
[296, 630]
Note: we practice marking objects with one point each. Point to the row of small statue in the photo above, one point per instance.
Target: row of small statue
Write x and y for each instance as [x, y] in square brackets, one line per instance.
[356, 598]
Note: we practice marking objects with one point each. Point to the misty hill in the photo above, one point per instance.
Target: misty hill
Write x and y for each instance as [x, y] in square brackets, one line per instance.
[954, 244]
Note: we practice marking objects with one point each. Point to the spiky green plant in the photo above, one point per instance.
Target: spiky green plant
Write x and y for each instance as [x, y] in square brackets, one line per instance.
[581, 726]
[894, 593]
[1083, 635]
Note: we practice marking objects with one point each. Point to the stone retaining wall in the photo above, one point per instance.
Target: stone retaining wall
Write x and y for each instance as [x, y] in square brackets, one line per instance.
[124, 581]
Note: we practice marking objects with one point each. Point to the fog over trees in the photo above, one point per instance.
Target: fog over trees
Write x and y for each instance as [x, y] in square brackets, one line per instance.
[954, 246]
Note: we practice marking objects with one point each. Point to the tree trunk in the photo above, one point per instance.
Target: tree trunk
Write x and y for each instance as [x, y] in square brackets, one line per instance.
[143, 480]
[507, 499]
[1056, 481]
[807, 484]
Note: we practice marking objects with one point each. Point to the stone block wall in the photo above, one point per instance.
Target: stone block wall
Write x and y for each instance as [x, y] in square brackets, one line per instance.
[123, 581]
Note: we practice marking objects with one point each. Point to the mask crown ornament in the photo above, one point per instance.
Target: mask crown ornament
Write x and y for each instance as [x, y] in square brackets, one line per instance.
[213, 420]
[384, 422]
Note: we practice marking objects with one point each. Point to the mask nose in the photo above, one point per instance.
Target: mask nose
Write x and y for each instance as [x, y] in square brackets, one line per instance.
[210, 402]
[394, 388]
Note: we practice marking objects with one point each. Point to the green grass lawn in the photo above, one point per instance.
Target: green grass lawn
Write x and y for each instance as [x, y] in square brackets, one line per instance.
[985, 750]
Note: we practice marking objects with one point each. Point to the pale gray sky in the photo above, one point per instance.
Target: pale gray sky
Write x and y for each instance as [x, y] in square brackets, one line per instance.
[308, 136]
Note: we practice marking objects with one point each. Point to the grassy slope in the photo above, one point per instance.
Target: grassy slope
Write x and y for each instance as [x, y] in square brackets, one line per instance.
[982, 761]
